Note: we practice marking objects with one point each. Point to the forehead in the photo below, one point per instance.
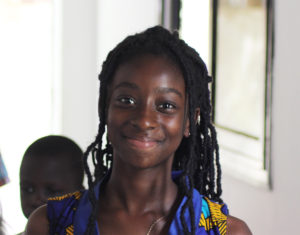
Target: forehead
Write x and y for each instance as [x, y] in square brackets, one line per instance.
[46, 166]
[150, 69]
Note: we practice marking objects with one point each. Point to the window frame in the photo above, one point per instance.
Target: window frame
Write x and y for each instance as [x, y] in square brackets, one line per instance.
[248, 172]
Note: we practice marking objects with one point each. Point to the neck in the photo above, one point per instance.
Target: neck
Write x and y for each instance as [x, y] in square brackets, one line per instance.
[141, 190]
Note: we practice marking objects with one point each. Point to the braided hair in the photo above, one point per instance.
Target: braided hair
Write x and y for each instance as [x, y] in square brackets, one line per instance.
[197, 156]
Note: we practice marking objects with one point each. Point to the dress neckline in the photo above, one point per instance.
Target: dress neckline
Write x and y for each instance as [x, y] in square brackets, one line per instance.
[174, 224]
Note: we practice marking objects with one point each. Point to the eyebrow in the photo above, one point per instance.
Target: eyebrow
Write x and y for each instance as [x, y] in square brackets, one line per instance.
[126, 85]
[157, 90]
[168, 90]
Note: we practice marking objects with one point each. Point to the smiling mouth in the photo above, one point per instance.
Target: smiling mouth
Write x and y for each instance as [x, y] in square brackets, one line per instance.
[143, 143]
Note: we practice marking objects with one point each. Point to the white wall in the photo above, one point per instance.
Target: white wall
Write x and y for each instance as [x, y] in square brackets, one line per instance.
[76, 69]
[118, 19]
[87, 31]
[276, 212]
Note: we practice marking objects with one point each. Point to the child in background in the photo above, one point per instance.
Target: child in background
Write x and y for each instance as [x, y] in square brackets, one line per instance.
[51, 166]
[159, 171]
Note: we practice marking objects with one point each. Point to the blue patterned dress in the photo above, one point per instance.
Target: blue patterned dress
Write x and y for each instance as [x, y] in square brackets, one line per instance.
[69, 215]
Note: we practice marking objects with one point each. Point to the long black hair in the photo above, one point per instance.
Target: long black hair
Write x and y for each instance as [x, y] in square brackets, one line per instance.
[197, 156]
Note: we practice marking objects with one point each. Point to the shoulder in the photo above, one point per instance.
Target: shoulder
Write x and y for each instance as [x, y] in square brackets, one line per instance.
[38, 223]
[236, 226]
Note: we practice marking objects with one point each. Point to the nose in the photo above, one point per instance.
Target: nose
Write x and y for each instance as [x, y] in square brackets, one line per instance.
[145, 118]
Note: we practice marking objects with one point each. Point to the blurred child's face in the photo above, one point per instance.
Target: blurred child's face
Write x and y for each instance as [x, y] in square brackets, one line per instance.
[147, 115]
[42, 177]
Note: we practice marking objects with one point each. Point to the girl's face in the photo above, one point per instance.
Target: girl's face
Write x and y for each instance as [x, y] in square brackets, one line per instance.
[147, 115]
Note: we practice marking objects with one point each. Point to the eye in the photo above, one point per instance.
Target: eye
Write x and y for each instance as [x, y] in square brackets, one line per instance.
[127, 100]
[27, 189]
[167, 107]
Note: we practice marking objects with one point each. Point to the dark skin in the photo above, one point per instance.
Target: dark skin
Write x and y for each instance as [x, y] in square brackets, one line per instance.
[146, 122]
[45, 176]
[147, 118]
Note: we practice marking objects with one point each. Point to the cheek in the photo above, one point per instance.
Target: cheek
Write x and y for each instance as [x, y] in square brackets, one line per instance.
[175, 128]
[175, 135]
[114, 121]
[111, 130]
[26, 200]
[110, 117]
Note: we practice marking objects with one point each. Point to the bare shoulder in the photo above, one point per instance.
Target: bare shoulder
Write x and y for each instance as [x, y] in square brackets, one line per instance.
[236, 226]
[38, 223]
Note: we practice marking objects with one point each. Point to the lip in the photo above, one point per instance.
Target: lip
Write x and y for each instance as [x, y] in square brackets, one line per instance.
[142, 143]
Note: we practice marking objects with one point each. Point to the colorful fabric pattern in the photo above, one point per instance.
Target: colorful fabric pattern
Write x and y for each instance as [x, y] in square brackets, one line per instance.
[215, 217]
[69, 215]
[61, 211]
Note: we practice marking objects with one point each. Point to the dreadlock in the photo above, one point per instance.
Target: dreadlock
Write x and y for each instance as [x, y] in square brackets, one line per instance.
[197, 156]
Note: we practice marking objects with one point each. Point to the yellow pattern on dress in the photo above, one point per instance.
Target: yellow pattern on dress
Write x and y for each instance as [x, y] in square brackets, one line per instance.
[216, 219]
[70, 230]
[76, 194]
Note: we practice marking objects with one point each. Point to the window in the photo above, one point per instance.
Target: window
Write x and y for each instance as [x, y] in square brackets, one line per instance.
[235, 39]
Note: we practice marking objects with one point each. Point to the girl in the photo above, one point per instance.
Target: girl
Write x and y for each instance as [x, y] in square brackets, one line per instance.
[159, 172]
